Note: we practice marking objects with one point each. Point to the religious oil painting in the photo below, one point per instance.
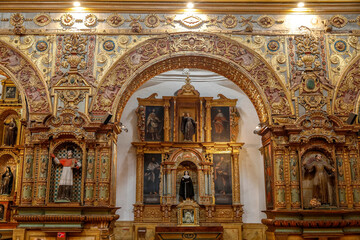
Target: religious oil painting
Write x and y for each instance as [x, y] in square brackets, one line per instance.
[318, 180]
[268, 177]
[220, 124]
[223, 178]
[188, 216]
[154, 123]
[152, 163]
[10, 93]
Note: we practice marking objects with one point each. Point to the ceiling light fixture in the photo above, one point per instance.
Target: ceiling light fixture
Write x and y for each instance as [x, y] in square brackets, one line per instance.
[301, 4]
[76, 4]
[190, 5]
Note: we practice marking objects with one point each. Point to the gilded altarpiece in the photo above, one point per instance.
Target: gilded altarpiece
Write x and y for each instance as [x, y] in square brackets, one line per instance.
[315, 173]
[188, 125]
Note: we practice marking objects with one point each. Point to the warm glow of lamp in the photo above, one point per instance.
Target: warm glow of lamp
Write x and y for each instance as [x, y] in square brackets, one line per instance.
[76, 4]
[301, 4]
[190, 5]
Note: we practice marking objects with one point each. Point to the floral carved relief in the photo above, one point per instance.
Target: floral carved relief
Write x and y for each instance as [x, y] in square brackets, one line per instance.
[26, 76]
[212, 46]
[345, 98]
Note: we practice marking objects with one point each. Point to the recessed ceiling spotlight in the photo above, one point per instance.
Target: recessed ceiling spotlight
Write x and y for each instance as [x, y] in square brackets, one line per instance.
[76, 4]
[190, 5]
[301, 4]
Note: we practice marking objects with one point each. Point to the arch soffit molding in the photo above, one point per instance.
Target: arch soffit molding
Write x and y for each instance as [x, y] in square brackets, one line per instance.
[27, 78]
[346, 94]
[176, 154]
[121, 77]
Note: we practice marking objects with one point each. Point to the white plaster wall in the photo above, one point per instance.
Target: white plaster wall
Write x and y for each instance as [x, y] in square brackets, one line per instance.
[210, 85]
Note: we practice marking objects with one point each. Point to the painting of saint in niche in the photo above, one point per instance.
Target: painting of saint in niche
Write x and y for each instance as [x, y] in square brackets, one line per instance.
[188, 216]
[152, 164]
[223, 179]
[154, 123]
[268, 177]
[10, 92]
[318, 180]
[220, 124]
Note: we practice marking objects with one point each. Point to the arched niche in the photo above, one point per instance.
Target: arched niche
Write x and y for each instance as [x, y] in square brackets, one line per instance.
[10, 128]
[56, 171]
[26, 77]
[193, 50]
[318, 178]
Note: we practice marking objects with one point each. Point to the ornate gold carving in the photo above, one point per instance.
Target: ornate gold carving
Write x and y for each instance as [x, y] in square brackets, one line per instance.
[90, 20]
[338, 21]
[67, 20]
[115, 20]
[266, 21]
[42, 19]
[152, 21]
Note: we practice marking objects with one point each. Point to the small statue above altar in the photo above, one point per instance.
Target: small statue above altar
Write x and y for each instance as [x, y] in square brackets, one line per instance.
[188, 127]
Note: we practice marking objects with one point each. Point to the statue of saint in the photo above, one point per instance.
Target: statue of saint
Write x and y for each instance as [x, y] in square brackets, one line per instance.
[10, 133]
[6, 182]
[66, 179]
[321, 173]
[186, 187]
[153, 126]
[188, 126]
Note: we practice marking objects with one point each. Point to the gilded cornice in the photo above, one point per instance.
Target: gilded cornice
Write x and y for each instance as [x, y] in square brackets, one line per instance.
[350, 6]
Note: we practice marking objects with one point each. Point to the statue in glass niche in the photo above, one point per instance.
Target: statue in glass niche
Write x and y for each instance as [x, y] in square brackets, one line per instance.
[186, 187]
[66, 179]
[10, 133]
[188, 126]
[6, 182]
[320, 174]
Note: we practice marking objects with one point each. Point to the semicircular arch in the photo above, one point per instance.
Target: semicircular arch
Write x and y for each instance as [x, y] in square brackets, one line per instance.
[193, 50]
[26, 77]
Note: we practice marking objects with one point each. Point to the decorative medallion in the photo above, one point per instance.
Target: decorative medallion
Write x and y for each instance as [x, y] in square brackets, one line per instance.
[310, 84]
[123, 40]
[265, 21]
[67, 19]
[273, 45]
[41, 46]
[191, 21]
[90, 20]
[340, 45]
[338, 21]
[16, 19]
[42, 19]
[109, 45]
[152, 21]
[115, 20]
[229, 21]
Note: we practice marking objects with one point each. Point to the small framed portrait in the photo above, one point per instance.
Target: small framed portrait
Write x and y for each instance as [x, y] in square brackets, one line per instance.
[188, 213]
[188, 216]
[10, 92]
